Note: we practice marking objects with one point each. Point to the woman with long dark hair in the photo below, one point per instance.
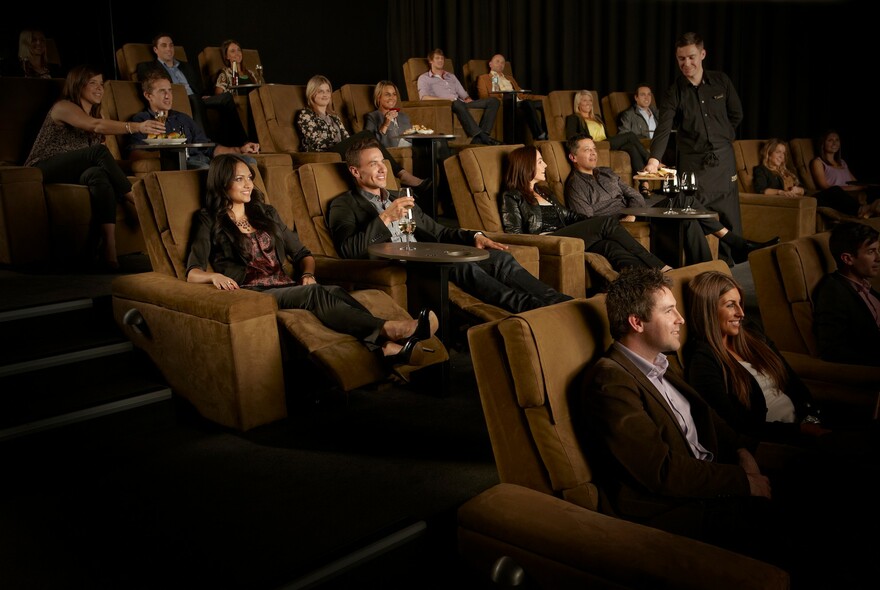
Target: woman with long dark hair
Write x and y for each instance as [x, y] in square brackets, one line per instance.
[737, 370]
[528, 208]
[246, 243]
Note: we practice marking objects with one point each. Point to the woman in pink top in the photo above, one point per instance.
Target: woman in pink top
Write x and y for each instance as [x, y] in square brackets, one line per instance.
[833, 179]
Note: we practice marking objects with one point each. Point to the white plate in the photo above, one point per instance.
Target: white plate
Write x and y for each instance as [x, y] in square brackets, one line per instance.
[426, 131]
[165, 141]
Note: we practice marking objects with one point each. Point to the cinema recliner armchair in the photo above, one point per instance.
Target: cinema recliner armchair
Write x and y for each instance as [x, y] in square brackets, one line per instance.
[223, 350]
[785, 277]
[544, 513]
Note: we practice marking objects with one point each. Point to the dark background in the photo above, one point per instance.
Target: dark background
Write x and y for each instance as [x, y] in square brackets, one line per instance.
[799, 66]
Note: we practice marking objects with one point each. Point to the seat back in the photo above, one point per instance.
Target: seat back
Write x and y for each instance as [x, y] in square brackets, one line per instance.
[29, 99]
[612, 105]
[475, 181]
[415, 67]
[558, 105]
[529, 369]
[274, 107]
[131, 54]
[474, 68]
[785, 277]
[802, 152]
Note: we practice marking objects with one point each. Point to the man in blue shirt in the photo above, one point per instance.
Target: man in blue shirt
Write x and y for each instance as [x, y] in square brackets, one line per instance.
[438, 84]
[230, 129]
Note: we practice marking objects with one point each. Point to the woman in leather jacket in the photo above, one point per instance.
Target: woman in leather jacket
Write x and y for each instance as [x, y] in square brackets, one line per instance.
[528, 208]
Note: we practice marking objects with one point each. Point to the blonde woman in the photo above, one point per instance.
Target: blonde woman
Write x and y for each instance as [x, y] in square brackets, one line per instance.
[321, 130]
[33, 58]
[772, 176]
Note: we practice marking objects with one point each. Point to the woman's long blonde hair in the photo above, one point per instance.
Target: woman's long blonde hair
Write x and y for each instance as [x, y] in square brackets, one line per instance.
[789, 178]
[705, 291]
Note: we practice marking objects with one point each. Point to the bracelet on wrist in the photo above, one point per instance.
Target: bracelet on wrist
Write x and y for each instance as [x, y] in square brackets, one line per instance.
[307, 274]
[128, 127]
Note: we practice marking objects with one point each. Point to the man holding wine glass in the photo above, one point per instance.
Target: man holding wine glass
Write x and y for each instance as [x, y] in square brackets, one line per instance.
[370, 214]
[708, 109]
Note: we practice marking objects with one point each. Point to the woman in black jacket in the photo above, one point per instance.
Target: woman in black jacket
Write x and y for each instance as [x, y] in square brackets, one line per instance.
[738, 371]
[528, 208]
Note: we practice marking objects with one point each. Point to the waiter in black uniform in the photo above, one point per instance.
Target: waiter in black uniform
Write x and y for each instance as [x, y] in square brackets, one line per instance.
[705, 108]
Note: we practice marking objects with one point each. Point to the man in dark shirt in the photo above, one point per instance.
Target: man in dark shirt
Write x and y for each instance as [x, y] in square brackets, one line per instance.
[230, 130]
[369, 214]
[707, 109]
[846, 308]
[592, 190]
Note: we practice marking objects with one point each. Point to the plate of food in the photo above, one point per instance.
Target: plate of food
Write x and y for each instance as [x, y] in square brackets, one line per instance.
[418, 129]
[165, 139]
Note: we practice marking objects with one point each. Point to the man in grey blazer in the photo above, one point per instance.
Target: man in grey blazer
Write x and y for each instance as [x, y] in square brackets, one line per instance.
[641, 117]
[662, 456]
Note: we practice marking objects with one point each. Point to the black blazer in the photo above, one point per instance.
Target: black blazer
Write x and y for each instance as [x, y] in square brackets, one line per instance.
[355, 224]
[844, 327]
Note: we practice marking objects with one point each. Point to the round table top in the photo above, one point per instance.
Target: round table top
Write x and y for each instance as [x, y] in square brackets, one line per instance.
[428, 252]
[427, 136]
[236, 87]
[165, 146]
[523, 91]
[659, 212]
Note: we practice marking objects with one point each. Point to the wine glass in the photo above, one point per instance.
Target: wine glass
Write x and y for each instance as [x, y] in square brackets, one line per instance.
[669, 187]
[688, 186]
[407, 222]
[259, 73]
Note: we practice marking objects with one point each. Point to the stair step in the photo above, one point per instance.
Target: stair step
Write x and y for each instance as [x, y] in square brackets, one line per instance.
[57, 330]
[57, 390]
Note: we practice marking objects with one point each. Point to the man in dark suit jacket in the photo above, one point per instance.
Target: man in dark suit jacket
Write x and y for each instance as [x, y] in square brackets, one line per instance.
[369, 215]
[846, 309]
[230, 131]
[663, 457]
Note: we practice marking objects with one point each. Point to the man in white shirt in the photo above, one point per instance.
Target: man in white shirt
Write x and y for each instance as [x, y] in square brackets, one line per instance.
[438, 84]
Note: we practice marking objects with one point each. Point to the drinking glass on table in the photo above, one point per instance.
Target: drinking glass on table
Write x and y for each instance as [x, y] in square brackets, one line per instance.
[688, 186]
[407, 223]
[669, 187]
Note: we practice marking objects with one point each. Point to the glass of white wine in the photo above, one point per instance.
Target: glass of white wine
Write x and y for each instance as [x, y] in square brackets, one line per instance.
[407, 223]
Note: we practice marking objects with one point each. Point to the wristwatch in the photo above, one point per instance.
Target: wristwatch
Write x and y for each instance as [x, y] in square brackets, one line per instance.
[810, 419]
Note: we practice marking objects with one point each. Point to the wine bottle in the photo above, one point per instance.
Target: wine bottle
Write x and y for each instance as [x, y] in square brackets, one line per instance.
[235, 73]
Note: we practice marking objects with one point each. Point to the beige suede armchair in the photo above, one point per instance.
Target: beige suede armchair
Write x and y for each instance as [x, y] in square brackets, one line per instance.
[42, 222]
[765, 216]
[544, 513]
[226, 352]
[785, 277]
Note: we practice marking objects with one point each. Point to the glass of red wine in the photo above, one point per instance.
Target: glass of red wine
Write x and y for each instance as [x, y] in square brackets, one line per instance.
[688, 186]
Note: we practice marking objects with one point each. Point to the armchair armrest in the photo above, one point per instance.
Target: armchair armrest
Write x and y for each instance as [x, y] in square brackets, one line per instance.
[561, 545]
[218, 349]
[561, 259]
[24, 216]
[383, 275]
[765, 216]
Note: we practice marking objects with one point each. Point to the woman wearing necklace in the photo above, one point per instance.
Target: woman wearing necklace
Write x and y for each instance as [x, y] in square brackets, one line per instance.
[321, 130]
[584, 119]
[246, 244]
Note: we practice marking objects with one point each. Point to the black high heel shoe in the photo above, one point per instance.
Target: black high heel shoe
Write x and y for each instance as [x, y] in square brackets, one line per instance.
[404, 357]
[423, 329]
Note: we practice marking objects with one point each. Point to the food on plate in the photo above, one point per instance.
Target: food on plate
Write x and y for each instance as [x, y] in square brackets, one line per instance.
[418, 129]
[172, 135]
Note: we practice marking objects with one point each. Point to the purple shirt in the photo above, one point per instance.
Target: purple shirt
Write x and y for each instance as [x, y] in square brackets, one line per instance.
[445, 85]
